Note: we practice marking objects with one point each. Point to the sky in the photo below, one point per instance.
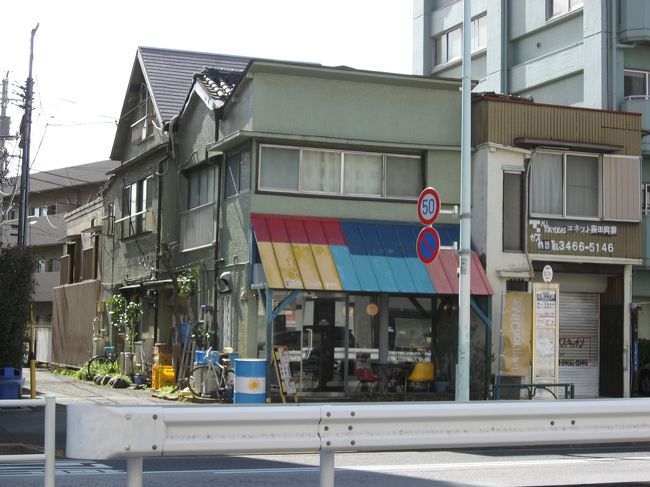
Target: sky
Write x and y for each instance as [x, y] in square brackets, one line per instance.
[84, 53]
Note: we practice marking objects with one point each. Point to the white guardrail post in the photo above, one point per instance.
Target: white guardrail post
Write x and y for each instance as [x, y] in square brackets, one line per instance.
[133, 432]
[49, 432]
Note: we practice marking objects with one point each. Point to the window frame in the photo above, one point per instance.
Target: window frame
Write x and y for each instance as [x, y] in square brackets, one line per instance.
[571, 6]
[237, 187]
[341, 193]
[565, 215]
[136, 221]
[475, 41]
[522, 212]
[646, 75]
[194, 176]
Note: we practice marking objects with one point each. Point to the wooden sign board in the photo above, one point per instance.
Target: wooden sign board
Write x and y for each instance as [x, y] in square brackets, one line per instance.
[281, 363]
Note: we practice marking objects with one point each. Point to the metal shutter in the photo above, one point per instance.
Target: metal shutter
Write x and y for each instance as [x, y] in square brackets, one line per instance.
[579, 342]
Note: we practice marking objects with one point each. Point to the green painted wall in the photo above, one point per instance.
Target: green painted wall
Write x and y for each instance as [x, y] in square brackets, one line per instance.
[411, 111]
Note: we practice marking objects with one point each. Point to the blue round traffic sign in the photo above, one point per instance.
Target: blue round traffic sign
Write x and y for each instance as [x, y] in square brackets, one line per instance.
[428, 245]
[428, 206]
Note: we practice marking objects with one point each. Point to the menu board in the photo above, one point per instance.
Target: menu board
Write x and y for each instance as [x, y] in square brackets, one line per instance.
[281, 361]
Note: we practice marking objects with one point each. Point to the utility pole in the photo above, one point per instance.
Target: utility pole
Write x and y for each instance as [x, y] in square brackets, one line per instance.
[26, 131]
[462, 368]
[5, 124]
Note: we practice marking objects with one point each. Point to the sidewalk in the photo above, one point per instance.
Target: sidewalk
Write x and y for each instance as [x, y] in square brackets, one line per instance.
[21, 429]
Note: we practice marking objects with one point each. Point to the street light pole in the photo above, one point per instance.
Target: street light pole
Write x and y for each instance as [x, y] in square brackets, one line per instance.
[26, 130]
[462, 367]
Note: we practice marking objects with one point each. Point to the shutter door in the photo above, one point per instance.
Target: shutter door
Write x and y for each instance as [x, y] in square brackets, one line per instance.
[579, 342]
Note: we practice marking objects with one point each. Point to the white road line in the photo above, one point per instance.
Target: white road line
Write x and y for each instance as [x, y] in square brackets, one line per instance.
[63, 467]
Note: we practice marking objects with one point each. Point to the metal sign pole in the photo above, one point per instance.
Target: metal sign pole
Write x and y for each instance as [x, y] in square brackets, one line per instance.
[462, 369]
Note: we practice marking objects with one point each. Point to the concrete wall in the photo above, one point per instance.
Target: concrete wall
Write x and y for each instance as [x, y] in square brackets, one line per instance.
[355, 106]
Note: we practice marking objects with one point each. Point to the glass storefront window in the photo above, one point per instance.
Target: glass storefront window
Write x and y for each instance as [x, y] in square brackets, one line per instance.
[409, 329]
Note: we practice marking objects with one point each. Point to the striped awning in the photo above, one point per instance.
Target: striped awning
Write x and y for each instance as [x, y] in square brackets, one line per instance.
[357, 256]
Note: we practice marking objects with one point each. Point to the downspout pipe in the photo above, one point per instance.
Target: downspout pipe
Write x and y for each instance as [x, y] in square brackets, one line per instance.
[614, 42]
[218, 114]
[160, 174]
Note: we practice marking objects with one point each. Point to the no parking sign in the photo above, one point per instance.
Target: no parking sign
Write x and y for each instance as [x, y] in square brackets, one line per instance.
[428, 243]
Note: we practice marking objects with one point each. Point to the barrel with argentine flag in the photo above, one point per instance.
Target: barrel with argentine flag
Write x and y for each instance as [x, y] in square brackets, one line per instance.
[250, 381]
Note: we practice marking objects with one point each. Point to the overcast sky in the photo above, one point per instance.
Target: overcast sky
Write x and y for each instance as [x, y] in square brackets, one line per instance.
[84, 53]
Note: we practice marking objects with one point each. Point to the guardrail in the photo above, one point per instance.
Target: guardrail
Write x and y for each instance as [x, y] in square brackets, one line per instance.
[105, 432]
[49, 449]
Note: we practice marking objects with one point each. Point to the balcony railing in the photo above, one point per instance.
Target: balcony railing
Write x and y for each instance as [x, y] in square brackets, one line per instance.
[197, 227]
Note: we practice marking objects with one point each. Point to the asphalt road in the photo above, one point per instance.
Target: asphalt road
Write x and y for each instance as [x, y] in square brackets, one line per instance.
[620, 466]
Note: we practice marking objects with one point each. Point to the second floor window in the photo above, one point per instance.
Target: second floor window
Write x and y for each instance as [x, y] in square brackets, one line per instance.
[559, 7]
[565, 185]
[238, 172]
[449, 46]
[636, 84]
[135, 202]
[142, 126]
[645, 199]
[200, 186]
[335, 172]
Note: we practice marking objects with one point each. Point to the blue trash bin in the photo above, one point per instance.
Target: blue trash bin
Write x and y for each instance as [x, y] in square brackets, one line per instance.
[10, 382]
[250, 381]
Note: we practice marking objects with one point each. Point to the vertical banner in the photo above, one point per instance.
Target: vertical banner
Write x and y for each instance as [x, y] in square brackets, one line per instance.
[516, 334]
[546, 310]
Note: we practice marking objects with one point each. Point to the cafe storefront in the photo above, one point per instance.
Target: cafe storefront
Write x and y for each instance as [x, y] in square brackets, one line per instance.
[344, 295]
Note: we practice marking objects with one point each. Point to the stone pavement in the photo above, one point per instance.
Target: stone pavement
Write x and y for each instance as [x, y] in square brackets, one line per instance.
[21, 429]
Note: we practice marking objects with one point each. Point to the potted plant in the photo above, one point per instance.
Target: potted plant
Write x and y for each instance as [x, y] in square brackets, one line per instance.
[116, 306]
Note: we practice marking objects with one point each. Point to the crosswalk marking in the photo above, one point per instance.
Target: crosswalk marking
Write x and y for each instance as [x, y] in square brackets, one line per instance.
[63, 467]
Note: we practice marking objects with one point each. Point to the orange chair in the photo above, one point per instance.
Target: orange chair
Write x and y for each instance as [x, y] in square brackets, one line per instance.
[422, 373]
[366, 377]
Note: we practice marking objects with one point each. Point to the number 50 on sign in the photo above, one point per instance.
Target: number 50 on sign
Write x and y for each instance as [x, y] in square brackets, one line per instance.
[428, 206]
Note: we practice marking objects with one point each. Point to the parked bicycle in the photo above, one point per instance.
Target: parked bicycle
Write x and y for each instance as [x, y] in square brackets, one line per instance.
[101, 364]
[215, 379]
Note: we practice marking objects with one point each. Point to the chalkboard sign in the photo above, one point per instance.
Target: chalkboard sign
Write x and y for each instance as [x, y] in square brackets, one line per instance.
[281, 362]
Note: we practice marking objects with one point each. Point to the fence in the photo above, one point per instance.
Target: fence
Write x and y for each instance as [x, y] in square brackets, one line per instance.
[49, 449]
[105, 432]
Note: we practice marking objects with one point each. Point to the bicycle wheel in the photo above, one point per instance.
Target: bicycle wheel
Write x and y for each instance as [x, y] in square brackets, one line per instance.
[95, 364]
[196, 380]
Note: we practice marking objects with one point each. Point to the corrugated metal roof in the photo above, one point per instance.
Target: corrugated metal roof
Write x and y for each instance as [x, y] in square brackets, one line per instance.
[357, 256]
[170, 74]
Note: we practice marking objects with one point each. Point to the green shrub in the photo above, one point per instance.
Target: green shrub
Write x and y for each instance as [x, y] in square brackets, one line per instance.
[17, 285]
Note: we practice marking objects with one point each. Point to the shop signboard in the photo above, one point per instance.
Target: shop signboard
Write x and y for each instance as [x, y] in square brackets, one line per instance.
[546, 312]
[584, 238]
[516, 331]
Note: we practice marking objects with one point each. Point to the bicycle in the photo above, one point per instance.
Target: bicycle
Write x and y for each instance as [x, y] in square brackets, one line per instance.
[213, 380]
[101, 364]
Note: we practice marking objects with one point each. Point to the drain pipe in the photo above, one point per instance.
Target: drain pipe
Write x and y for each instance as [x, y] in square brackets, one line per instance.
[614, 42]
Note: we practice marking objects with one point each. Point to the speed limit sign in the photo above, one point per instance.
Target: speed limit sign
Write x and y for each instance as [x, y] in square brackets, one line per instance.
[428, 206]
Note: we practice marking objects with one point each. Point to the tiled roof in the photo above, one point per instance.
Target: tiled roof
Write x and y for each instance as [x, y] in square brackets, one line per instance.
[170, 74]
[218, 83]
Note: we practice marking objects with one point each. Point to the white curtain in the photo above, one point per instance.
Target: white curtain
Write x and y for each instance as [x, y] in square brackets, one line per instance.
[546, 184]
[320, 171]
[362, 174]
[581, 186]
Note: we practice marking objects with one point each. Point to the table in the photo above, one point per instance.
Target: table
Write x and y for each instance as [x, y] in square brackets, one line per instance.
[393, 375]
